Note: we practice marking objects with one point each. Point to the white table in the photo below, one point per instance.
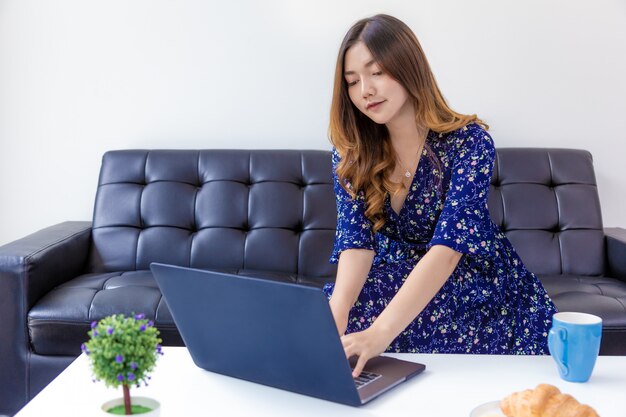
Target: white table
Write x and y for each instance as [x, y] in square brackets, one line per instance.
[452, 385]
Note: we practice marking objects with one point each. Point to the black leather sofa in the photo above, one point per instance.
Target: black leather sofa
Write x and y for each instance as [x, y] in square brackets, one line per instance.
[268, 213]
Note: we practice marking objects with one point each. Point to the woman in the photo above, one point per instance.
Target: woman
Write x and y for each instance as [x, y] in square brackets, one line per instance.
[421, 266]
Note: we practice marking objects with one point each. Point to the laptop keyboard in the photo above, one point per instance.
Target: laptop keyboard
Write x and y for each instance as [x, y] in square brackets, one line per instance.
[365, 378]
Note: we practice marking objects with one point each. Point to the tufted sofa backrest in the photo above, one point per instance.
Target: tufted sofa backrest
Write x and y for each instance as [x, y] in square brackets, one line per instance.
[274, 210]
[546, 201]
[269, 210]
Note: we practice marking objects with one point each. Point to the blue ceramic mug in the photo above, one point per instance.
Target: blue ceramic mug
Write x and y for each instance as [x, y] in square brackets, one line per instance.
[574, 343]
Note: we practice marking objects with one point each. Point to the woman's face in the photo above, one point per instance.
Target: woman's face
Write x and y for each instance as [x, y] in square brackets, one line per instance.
[374, 93]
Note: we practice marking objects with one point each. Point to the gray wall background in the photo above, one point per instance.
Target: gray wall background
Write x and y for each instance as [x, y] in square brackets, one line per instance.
[78, 78]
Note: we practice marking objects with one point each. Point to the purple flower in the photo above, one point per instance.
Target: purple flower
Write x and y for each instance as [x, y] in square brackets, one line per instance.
[83, 347]
[120, 377]
[110, 331]
[94, 324]
[158, 348]
[95, 333]
[142, 328]
[133, 365]
[131, 376]
[140, 316]
[119, 359]
[150, 323]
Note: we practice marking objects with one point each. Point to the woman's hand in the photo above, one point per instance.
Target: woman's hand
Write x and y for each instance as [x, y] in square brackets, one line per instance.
[366, 345]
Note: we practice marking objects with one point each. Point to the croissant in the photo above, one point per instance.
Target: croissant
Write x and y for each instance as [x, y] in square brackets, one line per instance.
[544, 401]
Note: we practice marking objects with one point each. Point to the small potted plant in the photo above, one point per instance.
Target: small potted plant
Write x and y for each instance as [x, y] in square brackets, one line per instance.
[122, 351]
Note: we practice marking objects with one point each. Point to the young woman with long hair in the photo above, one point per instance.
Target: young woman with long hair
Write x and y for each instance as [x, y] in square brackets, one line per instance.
[421, 265]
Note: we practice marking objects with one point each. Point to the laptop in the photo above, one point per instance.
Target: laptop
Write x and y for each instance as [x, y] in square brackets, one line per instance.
[274, 333]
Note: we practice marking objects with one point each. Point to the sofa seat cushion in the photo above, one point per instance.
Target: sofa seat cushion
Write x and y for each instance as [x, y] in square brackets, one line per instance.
[602, 296]
[59, 322]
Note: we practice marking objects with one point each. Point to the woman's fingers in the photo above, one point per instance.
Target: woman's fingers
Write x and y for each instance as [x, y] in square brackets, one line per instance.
[360, 364]
[351, 339]
[348, 347]
[366, 345]
[356, 344]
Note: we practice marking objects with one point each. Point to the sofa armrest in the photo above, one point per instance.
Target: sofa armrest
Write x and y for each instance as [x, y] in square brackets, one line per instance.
[616, 252]
[29, 268]
[44, 260]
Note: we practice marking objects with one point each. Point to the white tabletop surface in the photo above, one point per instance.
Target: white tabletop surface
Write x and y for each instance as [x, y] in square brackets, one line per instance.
[452, 385]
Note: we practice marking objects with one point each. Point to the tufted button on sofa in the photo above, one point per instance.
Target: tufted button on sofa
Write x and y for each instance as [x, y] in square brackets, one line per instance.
[267, 213]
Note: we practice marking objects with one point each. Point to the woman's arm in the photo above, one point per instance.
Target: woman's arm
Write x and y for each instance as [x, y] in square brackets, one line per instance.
[352, 270]
[420, 287]
[422, 284]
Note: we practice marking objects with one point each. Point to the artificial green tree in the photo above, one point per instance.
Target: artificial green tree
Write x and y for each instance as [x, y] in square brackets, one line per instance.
[122, 351]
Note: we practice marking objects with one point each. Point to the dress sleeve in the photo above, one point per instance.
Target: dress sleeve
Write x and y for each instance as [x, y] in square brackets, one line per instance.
[465, 223]
[354, 230]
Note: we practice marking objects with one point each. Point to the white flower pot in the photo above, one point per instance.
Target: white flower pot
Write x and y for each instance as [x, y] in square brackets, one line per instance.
[145, 401]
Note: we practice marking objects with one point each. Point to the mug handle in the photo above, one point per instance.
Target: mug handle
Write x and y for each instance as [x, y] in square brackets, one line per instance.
[557, 350]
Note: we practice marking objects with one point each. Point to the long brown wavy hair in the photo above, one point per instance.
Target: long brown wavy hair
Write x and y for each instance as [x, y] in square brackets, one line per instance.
[367, 158]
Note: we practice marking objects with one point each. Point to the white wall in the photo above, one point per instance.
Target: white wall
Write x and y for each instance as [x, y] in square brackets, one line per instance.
[81, 77]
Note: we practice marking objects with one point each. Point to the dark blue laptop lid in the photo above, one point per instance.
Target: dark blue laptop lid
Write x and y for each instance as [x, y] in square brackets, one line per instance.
[274, 333]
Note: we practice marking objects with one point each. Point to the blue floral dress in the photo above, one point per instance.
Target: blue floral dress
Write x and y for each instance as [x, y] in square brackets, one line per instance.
[491, 303]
